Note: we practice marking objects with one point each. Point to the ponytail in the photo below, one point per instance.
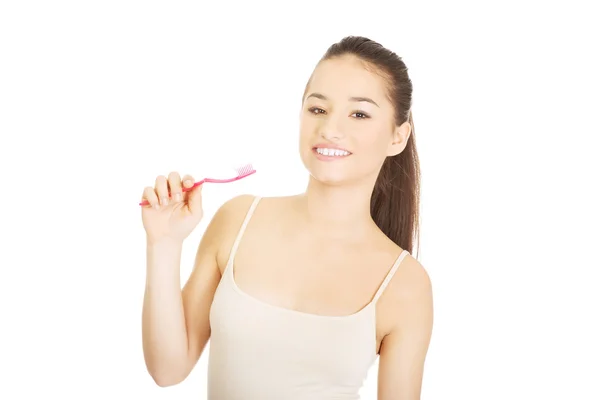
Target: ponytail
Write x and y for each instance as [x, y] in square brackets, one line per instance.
[395, 198]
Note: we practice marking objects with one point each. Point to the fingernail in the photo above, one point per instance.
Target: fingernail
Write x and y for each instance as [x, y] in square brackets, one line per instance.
[165, 201]
[188, 183]
[177, 196]
[157, 206]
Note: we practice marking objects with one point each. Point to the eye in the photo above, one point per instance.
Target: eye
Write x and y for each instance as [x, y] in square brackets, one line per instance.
[316, 110]
[360, 115]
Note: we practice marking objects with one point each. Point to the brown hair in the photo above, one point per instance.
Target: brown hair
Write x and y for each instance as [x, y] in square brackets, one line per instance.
[395, 197]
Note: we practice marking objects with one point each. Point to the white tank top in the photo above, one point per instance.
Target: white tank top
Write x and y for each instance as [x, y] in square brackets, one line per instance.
[260, 351]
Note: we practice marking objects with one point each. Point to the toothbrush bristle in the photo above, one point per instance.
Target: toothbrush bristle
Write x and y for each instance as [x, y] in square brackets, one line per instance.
[245, 169]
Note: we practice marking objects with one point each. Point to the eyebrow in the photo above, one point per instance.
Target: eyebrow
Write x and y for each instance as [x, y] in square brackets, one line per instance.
[322, 97]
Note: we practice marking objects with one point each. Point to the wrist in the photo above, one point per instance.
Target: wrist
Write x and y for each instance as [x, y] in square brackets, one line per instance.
[163, 258]
[164, 243]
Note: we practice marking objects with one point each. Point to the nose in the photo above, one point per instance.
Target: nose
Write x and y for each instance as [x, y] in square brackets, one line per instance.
[331, 129]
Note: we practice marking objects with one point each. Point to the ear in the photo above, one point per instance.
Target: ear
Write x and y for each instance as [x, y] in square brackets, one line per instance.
[399, 139]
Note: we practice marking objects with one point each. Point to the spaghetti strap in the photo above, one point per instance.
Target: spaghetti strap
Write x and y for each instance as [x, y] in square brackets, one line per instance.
[240, 233]
[390, 275]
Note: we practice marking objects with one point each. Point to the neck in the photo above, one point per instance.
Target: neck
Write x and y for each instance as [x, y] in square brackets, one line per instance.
[339, 211]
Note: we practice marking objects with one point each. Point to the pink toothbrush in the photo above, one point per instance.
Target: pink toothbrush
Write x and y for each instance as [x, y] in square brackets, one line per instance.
[243, 172]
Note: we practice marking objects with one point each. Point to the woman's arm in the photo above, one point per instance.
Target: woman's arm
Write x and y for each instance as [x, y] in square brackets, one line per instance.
[176, 324]
[403, 350]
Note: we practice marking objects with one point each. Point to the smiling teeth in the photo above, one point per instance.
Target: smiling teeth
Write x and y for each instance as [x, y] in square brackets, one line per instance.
[332, 152]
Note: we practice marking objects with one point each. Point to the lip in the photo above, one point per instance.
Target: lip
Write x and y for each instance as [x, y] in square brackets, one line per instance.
[330, 146]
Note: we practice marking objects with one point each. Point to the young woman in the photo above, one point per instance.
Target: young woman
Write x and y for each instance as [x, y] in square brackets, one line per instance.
[299, 295]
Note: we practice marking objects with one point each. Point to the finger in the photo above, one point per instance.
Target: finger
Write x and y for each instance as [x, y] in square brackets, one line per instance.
[174, 182]
[162, 189]
[188, 182]
[194, 200]
[150, 195]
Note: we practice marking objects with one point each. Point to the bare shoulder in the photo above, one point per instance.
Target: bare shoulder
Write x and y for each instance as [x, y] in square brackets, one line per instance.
[226, 223]
[235, 206]
[238, 206]
[230, 216]
[412, 281]
[408, 299]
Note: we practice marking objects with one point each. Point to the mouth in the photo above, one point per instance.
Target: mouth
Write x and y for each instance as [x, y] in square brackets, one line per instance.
[329, 153]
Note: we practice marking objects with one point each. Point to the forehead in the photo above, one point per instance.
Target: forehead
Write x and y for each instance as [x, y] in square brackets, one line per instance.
[347, 76]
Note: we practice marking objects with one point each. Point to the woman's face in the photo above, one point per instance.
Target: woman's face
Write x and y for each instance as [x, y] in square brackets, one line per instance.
[347, 125]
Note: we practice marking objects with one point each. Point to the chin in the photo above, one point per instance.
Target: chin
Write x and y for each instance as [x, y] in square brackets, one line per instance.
[329, 179]
[334, 173]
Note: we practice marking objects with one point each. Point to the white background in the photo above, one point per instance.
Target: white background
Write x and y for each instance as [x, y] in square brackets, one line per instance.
[97, 98]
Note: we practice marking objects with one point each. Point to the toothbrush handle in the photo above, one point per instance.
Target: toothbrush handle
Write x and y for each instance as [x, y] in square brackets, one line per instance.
[210, 180]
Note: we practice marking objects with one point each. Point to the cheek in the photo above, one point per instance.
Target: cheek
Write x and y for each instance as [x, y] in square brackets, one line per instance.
[307, 128]
[374, 140]
[306, 136]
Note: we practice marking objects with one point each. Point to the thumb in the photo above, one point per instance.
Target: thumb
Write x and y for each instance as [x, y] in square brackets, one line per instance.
[194, 200]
